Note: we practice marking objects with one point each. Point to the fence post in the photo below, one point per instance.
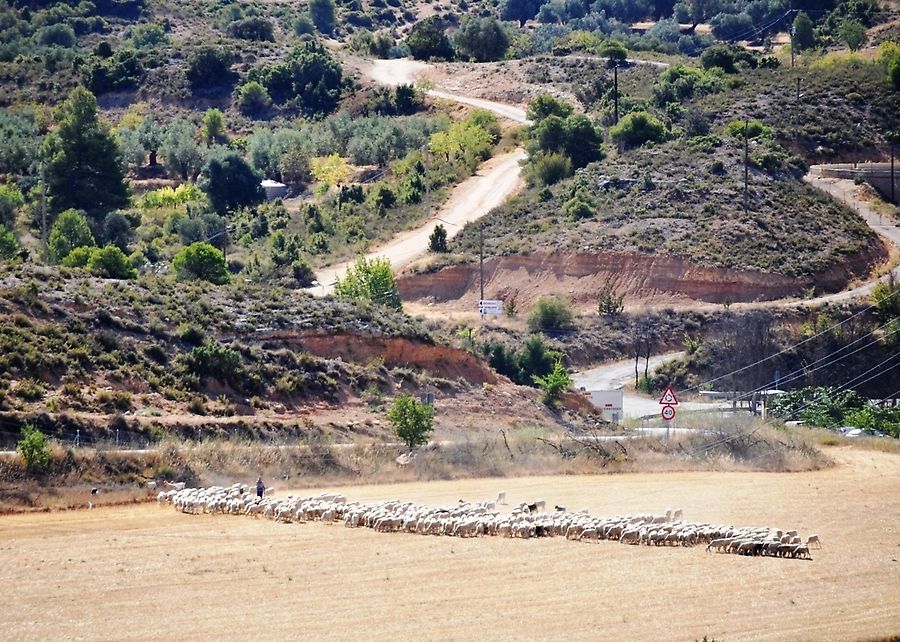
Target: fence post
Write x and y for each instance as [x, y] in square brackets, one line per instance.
[78, 437]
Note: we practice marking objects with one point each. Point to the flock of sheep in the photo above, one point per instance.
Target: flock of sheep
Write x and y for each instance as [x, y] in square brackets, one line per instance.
[473, 519]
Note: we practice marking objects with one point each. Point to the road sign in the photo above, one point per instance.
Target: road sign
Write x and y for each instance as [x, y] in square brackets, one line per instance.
[668, 398]
[490, 306]
[668, 413]
[609, 402]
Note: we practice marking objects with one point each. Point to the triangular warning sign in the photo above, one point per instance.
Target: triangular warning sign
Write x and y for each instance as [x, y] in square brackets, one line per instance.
[668, 398]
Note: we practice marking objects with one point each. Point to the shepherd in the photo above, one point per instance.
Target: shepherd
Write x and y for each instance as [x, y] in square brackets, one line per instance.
[260, 487]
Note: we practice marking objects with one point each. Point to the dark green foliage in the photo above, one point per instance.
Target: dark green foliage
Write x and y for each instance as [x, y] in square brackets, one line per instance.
[210, 66]
[322, 14]
[9, 246]
[33, 448]
[732, 26]
[548, 169]
[122, 70]
[302, 272]
[179, 149]
[679, 83]
[310, 78]
[576, 209]
[411, 420]
[58, 35]
[480, 39]
[534, 359]
[201, 261]
[428, 40]
[11, 200]
[252, 28]
[117, 230]
[253, 98]
[572, 135]
[718, 56]
[804, 36]
[609, 303]
[544, 105]
[230, 183]
[303, 26]
[71, 230]
[110, 263]
[550, 314]
[217, 361]
[147, 35]
[84, 169]
[21, 141]
[437, 241]
[638, 128]
[520, 10]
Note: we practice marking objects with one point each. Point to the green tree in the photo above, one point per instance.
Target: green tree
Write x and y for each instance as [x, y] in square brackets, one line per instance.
[803, 35]
[33, 448]
[519, 10]
[110, 263]
[148, 35]
[230, 183]
[411, 420]
[150, 135]
[9, 246]
[252, 28]
[70, 230]
[638, 128]
[553, 384]
[370, 280]
[853, 33]
[437, 241]
[201, 262]
[253, 98]
[481, 39]
[214, 127]
[310, 76]
[609, 303]
[544, 105]
[210, 66]
[179, 149]
[117, 230]
[84, 167]
[322, 14]
[11, 200]
[427, 39]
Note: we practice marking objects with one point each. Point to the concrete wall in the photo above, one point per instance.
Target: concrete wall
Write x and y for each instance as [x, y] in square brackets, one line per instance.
[878, 175]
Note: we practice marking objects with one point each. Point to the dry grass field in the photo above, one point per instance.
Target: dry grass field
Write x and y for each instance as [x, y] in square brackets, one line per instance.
[144, 572]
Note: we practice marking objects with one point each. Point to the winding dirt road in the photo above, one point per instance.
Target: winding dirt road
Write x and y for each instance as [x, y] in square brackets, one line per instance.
[494, 182]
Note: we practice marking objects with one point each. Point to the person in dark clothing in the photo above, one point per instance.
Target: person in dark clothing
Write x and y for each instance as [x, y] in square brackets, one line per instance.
[260, 487]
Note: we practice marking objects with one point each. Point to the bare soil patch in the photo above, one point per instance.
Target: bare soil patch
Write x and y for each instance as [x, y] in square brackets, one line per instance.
[143, 572]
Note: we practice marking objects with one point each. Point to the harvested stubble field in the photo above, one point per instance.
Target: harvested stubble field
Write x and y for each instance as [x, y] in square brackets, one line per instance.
[144, 572]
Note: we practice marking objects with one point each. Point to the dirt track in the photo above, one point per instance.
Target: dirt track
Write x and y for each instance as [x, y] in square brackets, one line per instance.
[151, 573]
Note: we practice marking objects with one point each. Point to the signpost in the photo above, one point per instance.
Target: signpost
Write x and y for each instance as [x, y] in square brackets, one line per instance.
[668, 401]
[490, 307]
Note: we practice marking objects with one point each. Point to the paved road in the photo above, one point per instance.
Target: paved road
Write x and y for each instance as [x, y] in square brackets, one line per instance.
[616, 375]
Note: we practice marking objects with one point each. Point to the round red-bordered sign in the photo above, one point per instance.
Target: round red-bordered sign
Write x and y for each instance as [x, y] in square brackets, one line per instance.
[668, 413]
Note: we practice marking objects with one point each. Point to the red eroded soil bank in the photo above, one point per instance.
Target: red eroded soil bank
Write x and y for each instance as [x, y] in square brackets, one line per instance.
[580, 277]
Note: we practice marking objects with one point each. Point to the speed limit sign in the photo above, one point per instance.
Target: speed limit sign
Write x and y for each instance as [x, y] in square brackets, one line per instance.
[668, 413]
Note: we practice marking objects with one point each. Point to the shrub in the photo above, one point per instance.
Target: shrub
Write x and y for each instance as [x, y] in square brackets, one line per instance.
[547, 169]
[78, 257]
[33, 448]
[303, 273]
[209, 66]
[481, 39]
[367, 280]
[30, 390]
[638, 128]
[755, 129]
[322, 14]
[411, 420]
[9, 246]
[553, 384]
[576, 209]
[191, 334]
[310, 77]
[437, 241]
[70, 230]
[253, 98]
[110, 263]
[170, 197]
[147, 36]
[230, 183]
[550, 314]
[252, 28]
[58, 35]
[201, 261]
[427, 40]
[11, 199]
[215, 360]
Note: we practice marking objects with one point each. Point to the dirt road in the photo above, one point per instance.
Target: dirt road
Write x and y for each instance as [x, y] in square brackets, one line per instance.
[144, 572]
[495, 181]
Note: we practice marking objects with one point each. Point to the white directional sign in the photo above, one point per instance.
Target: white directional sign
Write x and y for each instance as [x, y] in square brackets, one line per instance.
[490, 306]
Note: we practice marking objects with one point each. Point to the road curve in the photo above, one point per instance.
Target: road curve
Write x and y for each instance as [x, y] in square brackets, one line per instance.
[495, 181]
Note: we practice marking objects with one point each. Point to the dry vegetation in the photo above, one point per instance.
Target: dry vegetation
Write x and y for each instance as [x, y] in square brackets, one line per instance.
[329, 582]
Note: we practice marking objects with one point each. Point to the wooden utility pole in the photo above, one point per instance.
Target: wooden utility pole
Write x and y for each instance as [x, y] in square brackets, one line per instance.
[481, 267]
[44, 211]
[893, 189]
[746, 165]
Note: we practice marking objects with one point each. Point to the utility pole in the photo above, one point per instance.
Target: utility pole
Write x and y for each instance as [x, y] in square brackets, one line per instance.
[893, 189]
[798, 89]
[44, 211]
[792, 46]
[746, 166]
[481, 267]
[616, 92]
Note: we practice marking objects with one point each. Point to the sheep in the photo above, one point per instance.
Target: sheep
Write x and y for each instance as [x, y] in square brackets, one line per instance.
[813, 539]
[501, 498]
